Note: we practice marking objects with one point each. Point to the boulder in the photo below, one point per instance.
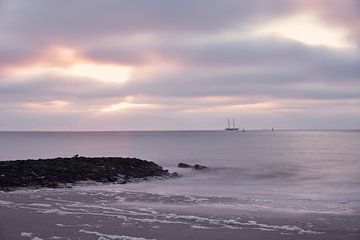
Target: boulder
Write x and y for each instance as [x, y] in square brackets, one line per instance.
[196, 166]
[199, 167]
[184, 165]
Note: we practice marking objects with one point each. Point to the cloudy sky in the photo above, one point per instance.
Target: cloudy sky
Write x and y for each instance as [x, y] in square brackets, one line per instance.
[170, 64]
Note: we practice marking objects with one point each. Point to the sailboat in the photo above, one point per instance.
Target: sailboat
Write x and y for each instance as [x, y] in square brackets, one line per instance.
[233, 128]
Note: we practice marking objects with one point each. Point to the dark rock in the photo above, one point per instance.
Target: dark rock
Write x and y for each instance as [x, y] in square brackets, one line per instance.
[60, 171]
[196, 166]
[175, 175]
[199, 167]
[184, 165]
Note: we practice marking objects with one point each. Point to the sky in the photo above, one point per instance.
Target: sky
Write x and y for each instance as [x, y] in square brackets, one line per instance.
[179, 65]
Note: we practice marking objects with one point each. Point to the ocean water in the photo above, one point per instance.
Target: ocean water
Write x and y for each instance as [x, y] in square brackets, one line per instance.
[316, 171]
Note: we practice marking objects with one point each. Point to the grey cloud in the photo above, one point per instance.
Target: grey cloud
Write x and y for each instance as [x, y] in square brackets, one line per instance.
[264, 55]
[38, 25]
[187, 34]
[300, 72]
[93, 17]
[13, 55]
[238, 84]
[281, 55]
[47, 88]
[127, 53]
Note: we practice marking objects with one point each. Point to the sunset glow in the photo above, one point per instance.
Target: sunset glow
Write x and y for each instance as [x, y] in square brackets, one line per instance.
[123, 106]
[67, 62]
[308, 29]
[103, 72]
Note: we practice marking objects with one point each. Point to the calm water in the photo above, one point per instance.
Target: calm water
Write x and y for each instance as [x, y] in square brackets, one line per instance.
[290, 166]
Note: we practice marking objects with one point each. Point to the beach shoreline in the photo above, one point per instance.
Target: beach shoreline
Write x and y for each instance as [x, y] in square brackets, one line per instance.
[83, 213]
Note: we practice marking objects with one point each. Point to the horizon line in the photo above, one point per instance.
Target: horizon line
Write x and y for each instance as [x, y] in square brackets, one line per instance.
[188, 130]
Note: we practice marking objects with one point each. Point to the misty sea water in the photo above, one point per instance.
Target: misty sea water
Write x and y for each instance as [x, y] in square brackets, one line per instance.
[304, 170]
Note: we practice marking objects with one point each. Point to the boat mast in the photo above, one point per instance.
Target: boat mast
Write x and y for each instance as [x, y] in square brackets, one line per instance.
[233, 122]
[228, 122]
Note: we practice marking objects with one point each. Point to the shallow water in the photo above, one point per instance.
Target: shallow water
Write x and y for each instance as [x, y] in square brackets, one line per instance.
[302, 170]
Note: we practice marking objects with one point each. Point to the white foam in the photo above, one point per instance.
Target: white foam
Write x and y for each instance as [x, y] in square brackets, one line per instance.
[283, 227]
[113, 237]
[39, 205]
[200, 227]
[57, 211]
[26, 234]
[73, 225]
[232, 221]
[190, 218]
[265, 229]
[234, 224]
[230, 227]
[146, 220]
[148, 210]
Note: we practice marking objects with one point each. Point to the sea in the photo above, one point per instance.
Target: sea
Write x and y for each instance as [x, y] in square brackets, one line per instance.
[292, 170]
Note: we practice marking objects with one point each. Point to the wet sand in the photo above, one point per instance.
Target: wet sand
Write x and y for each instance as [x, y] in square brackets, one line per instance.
[82, 213]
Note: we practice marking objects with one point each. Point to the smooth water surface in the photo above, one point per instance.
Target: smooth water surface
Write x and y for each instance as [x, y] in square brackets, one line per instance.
[288, 165]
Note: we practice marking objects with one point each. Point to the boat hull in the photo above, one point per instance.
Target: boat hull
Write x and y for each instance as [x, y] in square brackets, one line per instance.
[231, 129]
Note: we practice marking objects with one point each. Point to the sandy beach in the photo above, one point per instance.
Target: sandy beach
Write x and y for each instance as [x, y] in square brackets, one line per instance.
[92, 213]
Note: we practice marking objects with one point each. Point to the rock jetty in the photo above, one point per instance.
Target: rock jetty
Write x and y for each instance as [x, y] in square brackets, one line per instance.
[58, 172]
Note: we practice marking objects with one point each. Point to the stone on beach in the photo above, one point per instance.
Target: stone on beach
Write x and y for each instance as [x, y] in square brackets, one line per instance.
[184, 165]
[200, 167]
